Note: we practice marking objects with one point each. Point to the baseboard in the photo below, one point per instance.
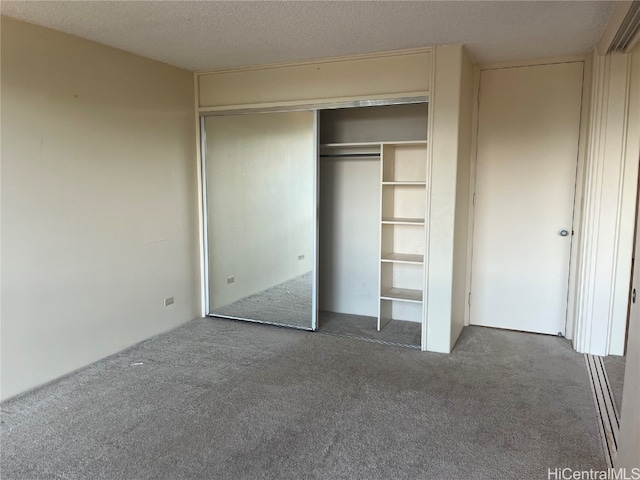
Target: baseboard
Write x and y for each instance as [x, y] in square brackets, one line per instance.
[608, 417]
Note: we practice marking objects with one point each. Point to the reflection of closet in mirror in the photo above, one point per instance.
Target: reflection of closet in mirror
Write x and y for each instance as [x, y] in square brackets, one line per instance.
[372, 222]
[260, 212]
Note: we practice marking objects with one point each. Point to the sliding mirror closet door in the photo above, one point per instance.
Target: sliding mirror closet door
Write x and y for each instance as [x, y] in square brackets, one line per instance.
[260, 210]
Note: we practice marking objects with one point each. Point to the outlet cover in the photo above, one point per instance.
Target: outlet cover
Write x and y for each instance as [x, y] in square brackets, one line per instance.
[168, 301]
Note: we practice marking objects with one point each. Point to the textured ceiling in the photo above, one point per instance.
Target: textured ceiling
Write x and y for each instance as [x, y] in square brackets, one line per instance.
[205, 35]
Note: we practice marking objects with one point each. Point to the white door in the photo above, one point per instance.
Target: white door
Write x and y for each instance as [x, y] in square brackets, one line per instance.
[629, 437]
[528, 132]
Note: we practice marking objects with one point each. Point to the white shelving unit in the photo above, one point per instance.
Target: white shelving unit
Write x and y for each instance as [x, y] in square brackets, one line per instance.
[402, 231]
[373, 184]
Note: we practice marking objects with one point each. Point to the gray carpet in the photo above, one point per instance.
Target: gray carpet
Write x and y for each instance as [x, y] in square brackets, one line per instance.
[615, 372]
[222, 399]
[397, 332]
[288, 303]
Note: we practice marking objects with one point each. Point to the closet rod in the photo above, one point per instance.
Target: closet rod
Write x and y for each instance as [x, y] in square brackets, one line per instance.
[350, 155]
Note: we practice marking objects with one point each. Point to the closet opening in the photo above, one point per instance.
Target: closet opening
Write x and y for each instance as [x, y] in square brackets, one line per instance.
[372, 208]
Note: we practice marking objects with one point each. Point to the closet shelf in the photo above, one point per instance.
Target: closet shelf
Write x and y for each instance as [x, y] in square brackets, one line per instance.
[401, 143]
[407, 143]
[403, 221]
[407, 184]
[350, 155]
[403, 258]
[350, 144]
[350, 151]
[402, 294]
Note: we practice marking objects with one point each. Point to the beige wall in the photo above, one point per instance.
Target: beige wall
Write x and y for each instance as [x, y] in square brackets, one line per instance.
[99, 202]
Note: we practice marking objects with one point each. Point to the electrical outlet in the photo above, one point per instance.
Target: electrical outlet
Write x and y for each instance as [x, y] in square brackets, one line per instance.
[168, 301]
[231, 279]
[301, 257]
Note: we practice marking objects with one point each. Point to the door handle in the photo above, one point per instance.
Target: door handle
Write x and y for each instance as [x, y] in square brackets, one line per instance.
[564, 233]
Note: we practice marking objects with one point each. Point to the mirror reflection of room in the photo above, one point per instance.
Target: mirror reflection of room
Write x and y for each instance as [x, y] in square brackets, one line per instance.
[260, 214]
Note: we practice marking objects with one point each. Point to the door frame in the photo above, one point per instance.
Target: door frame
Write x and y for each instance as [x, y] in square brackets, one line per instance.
[570, 320]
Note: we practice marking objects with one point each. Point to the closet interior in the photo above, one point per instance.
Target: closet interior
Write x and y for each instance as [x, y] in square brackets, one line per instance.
[372, 199]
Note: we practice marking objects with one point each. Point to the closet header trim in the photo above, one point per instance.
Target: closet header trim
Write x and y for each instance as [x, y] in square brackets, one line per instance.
[319, 106]
[321, 82]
